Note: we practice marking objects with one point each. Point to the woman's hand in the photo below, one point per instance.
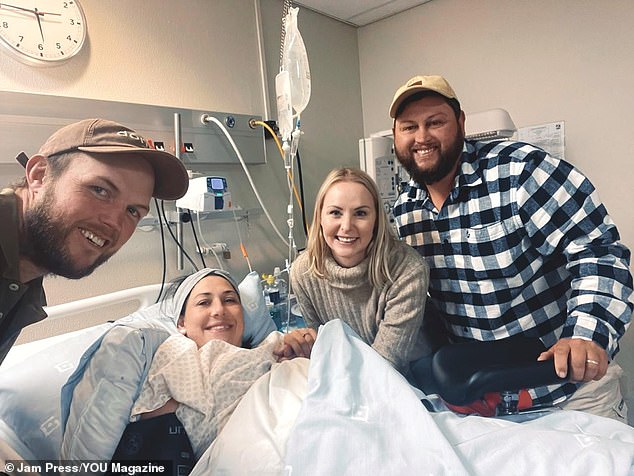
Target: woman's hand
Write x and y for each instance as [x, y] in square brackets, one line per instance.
[297, 343]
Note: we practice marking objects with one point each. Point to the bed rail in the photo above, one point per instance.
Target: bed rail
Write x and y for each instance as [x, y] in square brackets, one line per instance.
[144, 295]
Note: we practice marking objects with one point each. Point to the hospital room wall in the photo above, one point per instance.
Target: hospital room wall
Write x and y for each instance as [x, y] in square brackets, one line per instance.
[543, 61]
[204, 55]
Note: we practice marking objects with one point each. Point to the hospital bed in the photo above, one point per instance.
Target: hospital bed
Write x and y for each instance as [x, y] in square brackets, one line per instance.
[344, 412]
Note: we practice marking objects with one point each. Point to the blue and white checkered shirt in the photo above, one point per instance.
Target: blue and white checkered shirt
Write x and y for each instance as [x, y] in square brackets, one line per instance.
[522, 245]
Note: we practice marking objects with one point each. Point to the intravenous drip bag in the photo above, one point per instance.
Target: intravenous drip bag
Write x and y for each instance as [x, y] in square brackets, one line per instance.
[295, 61]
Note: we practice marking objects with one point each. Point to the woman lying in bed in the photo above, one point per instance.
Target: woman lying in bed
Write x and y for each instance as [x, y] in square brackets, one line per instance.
[197, 377]
[202, 377]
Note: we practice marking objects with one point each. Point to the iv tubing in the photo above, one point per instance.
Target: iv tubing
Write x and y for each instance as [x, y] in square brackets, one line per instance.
[279, 147]
[207, 118]
[290, 221]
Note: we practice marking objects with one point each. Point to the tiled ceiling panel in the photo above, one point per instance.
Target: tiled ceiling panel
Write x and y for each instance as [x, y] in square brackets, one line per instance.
[359, 12]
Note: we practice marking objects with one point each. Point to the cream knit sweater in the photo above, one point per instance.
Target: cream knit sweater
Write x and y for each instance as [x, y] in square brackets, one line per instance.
[389, 319]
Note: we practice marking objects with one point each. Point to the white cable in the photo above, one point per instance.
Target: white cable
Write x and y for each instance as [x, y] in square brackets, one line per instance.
[205, 244]
[208, 118]
[200, 232]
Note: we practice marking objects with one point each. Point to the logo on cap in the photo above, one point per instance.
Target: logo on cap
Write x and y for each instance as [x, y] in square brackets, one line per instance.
[134, 136]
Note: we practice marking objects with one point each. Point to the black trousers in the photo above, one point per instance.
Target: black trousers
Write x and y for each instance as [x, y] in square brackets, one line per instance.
[159, 439]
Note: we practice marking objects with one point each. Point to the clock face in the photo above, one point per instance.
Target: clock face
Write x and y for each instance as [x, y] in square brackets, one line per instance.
[42, 31]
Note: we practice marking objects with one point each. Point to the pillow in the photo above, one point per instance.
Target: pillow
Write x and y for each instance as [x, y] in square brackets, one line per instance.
[258, 323]
[30, 392]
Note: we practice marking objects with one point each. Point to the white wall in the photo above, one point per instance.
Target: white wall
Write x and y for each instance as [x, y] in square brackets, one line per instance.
[203, 54]
[543, 61]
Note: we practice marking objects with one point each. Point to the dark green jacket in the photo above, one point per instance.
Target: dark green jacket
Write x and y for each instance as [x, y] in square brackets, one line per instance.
[20, 304]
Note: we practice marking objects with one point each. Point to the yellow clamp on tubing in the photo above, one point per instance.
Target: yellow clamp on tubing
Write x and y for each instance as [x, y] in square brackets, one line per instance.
[279, 147]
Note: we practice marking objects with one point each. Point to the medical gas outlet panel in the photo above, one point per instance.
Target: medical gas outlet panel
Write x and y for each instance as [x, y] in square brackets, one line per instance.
[27, 120]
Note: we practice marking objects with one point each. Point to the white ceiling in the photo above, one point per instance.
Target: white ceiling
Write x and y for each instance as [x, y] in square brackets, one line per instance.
[359, 12]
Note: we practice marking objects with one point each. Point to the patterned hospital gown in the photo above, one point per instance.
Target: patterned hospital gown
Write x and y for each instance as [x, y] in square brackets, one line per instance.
[208, 382]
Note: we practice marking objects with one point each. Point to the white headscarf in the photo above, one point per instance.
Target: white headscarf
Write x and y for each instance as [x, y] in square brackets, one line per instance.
[177, 303]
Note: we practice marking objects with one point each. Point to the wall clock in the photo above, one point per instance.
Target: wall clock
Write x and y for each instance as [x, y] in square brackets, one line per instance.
[42, 32]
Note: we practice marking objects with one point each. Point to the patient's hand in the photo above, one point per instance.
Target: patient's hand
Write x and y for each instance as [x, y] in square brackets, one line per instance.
[297, 343]
[587, 360]
[169, 407]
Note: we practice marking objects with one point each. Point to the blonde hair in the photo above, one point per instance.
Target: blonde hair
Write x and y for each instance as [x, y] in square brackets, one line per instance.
[383, 236]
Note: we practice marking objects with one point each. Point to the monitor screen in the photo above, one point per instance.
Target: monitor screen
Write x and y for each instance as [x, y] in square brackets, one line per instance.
[217, 183]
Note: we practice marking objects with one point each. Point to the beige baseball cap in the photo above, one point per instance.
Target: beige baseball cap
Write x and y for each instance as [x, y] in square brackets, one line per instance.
[421, 83]
[101, 136]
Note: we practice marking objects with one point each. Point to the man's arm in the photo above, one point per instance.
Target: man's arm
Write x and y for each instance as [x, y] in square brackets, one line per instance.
[563, 214]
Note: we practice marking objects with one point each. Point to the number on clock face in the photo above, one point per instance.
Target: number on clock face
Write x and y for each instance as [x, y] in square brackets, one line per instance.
[42, 32]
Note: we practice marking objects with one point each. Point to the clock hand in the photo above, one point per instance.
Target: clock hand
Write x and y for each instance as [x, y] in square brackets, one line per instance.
[36, 11]
[39, 23]
[16, 7]
[40, 13]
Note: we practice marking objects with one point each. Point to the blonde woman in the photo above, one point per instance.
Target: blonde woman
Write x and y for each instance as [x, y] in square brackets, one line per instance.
[355, 269]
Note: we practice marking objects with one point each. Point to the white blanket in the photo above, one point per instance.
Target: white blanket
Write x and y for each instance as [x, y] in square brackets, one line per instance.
[358, 416]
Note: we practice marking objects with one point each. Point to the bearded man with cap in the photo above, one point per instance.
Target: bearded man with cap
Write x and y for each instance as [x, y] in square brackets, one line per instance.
[518, 244]
[80, 200]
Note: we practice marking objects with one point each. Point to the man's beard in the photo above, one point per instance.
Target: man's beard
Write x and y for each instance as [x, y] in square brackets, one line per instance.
[442, 168]
[43, 242]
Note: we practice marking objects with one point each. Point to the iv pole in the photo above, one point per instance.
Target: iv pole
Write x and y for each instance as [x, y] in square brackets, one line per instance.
[179, 223]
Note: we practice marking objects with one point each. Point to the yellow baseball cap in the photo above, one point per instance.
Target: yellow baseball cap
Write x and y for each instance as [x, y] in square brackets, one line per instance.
[417, 84]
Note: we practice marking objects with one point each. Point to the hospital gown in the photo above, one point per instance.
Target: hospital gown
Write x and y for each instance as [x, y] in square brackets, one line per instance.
[208, 382]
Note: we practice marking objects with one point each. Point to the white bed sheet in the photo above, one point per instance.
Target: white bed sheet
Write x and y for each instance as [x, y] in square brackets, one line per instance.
[357, 416]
